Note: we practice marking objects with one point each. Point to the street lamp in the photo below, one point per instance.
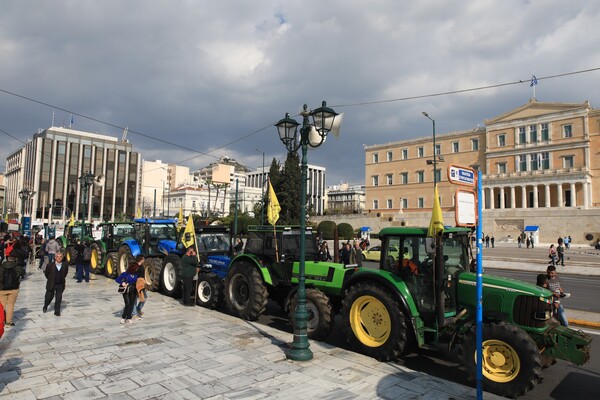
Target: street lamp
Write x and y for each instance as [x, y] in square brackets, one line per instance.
[25, 194]
[86, 180]
[262, 208]
[310, 135]
[434, 155]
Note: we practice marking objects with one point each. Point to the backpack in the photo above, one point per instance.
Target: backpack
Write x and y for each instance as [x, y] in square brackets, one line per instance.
[10, 279]
[8, 248]
[87, 253]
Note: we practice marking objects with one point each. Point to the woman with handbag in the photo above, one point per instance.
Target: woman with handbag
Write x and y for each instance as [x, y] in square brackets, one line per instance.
[126, 282]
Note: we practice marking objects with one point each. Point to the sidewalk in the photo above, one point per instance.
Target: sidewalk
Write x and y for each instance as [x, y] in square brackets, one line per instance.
[180, 353]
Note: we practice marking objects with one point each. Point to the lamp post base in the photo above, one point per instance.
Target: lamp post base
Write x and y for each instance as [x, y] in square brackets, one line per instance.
[300, 349]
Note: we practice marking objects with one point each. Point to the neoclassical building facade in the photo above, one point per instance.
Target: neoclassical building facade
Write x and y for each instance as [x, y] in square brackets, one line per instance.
[539, 164]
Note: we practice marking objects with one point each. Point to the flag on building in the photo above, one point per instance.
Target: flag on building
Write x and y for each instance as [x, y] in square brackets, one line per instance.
[533, 81]
[189, 234]
[72, 220]
[436, 225]
[138, 213]
[274, 207]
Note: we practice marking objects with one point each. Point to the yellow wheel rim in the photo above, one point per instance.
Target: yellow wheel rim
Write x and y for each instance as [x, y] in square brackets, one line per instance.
[501, 362]
[370, 321]
[109, 266]
[94, 260]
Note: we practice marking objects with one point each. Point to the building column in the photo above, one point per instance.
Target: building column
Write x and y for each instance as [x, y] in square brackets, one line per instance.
[483, 199]
[502, 197]
[559, 190]
[524, 196]
[535, 196]
[513, 201]
[586, 199]
[492, 198]
[573, 196]
[547, 195]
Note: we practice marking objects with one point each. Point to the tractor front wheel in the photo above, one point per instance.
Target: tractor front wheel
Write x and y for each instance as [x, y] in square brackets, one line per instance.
[112, 261]
[125, 258]
[245, 291]
[373, 322]
[152, 268]
[511, 361]
[320, 316]
[209, 292]
[171, 276]
[96, 260]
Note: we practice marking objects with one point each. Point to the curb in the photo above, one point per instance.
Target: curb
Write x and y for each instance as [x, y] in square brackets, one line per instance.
[581, 322]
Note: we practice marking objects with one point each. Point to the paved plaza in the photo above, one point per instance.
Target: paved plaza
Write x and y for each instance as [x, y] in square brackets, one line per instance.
[178, 352]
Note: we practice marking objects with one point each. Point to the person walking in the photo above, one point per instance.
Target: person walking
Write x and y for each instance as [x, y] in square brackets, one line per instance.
[345, 254]
[189, 269]
[55, 272]
[10, 280]
[556, 288]
[141, 286]
[52, 247]
[487, 241]
[127, 281]
[356, 256]
[560, 251]
[519, 241]
[82, 260]
[492, 240]
[552, 254]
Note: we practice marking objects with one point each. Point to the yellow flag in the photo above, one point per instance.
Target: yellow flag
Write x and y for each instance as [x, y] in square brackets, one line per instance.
[180, 217]
[273, 208]
[436, 225]
[189, 234]
[72, 220]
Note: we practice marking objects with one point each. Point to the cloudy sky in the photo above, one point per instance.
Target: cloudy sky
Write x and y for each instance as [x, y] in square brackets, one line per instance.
[195, 80]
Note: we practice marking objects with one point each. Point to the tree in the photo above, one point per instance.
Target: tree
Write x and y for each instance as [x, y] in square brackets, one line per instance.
[290, 190]
[345, 231]
[326, 230]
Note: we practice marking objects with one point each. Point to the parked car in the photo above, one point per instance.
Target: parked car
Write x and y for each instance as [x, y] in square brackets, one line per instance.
[374, 253]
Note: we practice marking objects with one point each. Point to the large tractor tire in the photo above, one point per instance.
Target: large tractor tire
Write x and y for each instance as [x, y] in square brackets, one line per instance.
[170, 277]
[511, 361]
[71, 254]
[209, 292]
[152, 268]
[373, 322]
[111, 265]
[320, 315]
[96, 260]
[124, 259]
[245, 292]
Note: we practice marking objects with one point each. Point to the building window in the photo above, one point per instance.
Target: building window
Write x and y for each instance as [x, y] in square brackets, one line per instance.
[437, 175]
[568, 161]
[545, 132]
[474, 144]
[455, 147]
[404, 203]
[567, 131]
[501, 140]
[420, 152]
[389, 156]
[375, 204]
[534, 162]
[405, 154]
[376, 180]
[389, 203]
[522, 135]
[420, 177]
[522, 163]
[421, 202]
[502, 168]
[375, 158]
[389, 179]
[533, 133]
[404, 176]
[544, 160]
[438, 149]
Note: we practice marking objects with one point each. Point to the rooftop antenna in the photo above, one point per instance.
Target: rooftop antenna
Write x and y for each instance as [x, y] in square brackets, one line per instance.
[124, 138]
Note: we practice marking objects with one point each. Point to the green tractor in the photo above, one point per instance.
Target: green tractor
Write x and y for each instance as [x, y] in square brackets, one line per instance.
[424, 296]
[268, 268]
[105, 250]
[71, 234]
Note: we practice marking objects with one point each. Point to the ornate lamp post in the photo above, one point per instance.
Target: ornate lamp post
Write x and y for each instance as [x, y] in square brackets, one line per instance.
[25, 194]
[435, 156]
[263, 183]
[310, 135]
[86, 180]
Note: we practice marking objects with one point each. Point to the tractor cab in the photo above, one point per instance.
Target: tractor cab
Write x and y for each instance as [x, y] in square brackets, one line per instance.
[114, 233]
[155, 236]
[73, 233]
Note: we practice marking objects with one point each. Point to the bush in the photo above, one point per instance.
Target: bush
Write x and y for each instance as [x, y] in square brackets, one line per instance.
[345, 231]
[326, 230]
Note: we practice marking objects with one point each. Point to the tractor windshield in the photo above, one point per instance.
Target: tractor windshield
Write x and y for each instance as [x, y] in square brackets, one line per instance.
[163, 231]
[213, 243]
[76, 230]
[456, 258]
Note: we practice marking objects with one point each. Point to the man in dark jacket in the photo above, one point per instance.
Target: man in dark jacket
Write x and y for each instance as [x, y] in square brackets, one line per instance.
[189, 269]
[10, 279]
[55, 272]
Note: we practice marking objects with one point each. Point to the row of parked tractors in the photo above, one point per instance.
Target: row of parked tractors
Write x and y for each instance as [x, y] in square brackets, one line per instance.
[422, 295]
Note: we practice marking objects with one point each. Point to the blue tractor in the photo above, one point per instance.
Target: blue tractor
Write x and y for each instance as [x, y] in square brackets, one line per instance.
[156, 240]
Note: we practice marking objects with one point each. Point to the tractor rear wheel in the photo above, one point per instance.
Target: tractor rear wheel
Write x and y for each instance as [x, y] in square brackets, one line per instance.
[171, 276]
[110, 269]
[245, 291]
[125, 258]
[320, 316]
[96, 260]
[373, 322]
[209, 292]
[152, 268]
[511, 361]
[71, 254]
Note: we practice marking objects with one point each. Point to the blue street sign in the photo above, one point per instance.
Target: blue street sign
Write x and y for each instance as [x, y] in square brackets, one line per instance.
[461, 175]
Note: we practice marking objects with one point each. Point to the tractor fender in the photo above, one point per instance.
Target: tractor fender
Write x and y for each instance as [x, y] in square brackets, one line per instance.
[134, 247]
[167, 247]
[253, 260]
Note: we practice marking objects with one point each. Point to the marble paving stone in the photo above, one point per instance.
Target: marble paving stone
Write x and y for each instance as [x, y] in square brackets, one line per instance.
[26, 383]
[120, 386]
[52, 389]
[153, 391]
[22, 395]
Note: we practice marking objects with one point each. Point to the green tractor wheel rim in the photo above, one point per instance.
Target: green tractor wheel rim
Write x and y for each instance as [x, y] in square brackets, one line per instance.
[370, 321]
[501, 362]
